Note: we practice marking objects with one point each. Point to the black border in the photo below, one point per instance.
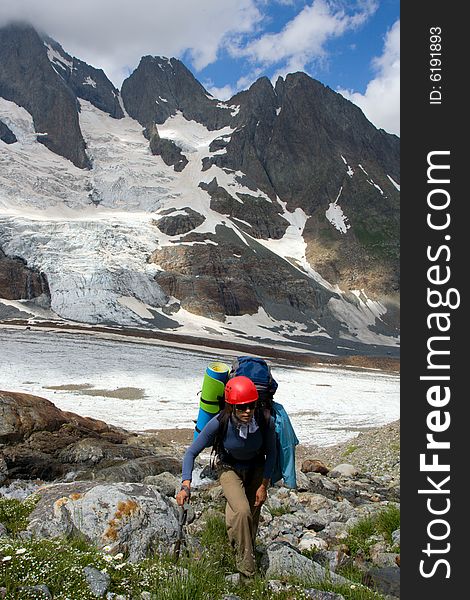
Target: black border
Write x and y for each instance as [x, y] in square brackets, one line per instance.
[425, 128]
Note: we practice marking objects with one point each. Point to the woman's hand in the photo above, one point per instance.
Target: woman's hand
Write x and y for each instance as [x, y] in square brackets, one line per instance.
[261, 495]
[183, 495]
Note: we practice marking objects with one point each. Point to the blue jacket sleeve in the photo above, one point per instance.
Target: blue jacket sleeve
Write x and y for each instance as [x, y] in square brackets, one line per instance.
[204, 440]
[271, 450]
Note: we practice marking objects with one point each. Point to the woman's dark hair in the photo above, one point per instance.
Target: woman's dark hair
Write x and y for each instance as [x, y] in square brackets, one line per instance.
[223, 417]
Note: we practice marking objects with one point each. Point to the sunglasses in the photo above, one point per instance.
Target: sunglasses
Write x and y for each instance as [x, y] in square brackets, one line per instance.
[245, 407]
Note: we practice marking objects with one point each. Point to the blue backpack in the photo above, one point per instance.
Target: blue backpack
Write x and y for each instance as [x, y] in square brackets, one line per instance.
[259, 372]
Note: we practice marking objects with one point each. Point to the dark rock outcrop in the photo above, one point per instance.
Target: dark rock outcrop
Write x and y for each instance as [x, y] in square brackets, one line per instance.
[6, 134]
[232, 277]
[181, 223]
[40, 441]
[160, 87]
[84, 80]
[253, 214]
[168, 150]
[28, 79]
[18, 282]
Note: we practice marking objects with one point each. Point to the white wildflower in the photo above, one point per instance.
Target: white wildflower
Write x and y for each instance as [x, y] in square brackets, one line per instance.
[20, 551]
[118, 556]
[6, 558]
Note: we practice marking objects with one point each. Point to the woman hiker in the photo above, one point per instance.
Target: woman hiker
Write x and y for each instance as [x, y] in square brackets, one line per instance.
[244, 441]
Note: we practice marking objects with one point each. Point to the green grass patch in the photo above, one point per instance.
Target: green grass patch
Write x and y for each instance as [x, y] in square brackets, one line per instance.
[215, 540]
[14, 513]
[388, 520]
[279, 511]
[361, 536]
[349, 450]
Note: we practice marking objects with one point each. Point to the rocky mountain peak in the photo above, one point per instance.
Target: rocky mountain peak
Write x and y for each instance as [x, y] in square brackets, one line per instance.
[28, 79]
[267, 204]
[84, 80]
[160, 87]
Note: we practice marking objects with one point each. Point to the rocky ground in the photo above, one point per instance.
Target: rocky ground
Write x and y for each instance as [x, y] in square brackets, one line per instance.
[375, 451]
[83, 465]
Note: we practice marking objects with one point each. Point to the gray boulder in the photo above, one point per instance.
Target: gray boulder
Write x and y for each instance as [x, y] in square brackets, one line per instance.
[131, 518]
[283, 560]
[97, 580]
[343, 470]
[167, 483]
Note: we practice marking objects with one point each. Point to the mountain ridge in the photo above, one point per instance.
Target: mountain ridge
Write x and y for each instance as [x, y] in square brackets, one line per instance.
[228, 209]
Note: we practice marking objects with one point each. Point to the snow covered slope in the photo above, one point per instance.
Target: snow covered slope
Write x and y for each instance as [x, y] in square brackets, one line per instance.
[92, 232]
[271, 217]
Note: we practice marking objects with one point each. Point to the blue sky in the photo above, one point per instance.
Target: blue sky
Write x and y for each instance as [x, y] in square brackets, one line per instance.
[350, 45]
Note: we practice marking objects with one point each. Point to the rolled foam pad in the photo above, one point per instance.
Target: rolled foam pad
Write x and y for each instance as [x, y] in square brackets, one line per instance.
[212, 389]
[202, 419]
[218, 370]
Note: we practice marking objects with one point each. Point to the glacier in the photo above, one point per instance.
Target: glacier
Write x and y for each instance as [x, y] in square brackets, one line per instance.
[91, 232]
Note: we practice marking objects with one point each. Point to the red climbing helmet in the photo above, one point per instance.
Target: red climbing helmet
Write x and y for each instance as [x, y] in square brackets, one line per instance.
[240, 390]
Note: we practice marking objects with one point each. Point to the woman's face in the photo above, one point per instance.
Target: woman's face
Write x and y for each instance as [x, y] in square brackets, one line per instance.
[244, 412]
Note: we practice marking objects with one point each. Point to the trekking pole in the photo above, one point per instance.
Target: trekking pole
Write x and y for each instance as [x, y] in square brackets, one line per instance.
[182, 516]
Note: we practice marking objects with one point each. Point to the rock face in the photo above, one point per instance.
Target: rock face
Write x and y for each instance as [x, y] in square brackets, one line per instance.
[293, 192]
[84, 80]
[258, 218]
[18, 282]
[161, 86]
[185, 221]
[28, 79]
[130, 518]
[41, 441]
[168, 150]
[6, 134]
[234, 277]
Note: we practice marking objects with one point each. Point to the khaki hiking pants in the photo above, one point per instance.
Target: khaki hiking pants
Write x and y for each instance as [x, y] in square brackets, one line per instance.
[241, 516]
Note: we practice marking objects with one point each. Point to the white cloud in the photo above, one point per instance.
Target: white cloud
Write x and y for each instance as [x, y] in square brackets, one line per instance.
[381, 100]
[303, 39]
[221, 93]
[114, 35]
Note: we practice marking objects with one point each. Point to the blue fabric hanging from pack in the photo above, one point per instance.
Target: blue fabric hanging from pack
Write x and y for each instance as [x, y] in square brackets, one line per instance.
[287, 441]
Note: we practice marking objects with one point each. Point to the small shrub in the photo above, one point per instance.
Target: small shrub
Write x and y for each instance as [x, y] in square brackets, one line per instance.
[310, 553]
[278, 512]
[388, 520]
